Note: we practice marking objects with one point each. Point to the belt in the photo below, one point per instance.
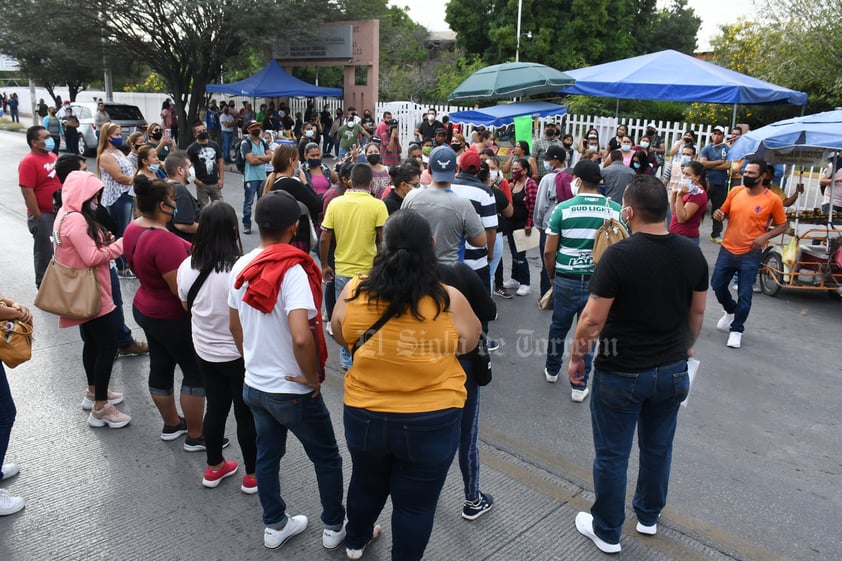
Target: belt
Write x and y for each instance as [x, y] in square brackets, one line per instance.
[573, 277]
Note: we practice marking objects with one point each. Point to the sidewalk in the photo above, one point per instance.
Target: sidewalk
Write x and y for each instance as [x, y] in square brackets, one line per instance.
[125, 494]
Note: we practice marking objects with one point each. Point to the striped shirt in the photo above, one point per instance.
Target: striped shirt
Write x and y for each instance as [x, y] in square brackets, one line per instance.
[482, 199]
[576, 221]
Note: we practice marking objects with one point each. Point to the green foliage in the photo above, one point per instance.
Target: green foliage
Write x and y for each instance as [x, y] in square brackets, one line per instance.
[151, 83]
[674, 28]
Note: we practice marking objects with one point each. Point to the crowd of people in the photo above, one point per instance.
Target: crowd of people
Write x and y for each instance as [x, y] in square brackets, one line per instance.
[406, 244]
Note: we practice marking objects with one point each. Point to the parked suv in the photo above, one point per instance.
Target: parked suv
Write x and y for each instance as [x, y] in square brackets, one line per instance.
[128, 117]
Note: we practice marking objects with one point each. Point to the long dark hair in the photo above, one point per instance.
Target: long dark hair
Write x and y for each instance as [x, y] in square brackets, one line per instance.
[96, 231]
[217, 243]
[405, 269]
[643, 160]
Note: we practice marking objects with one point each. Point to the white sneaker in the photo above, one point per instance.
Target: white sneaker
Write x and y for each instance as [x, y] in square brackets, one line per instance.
[735, 339]
[523, 290]
[724, 323]
[10, 504]
[358, 553]
[108, 415]
[584, 524]
[579, 395]
[8, 471]
[88, 401]
[647, 530]
[550, 378]
[331, 539]
[511, 284]
[273, 539]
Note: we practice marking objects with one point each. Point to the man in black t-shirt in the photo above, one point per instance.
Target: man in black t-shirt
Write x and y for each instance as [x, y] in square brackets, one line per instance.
[208, 163]
[645, 312]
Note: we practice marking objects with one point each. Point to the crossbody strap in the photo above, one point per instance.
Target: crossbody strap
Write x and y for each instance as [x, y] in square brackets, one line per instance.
[197, 284]
[369, 333]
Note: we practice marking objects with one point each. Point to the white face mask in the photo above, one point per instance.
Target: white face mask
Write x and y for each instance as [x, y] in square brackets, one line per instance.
[574, 186]
[431, 118]
[191, 174]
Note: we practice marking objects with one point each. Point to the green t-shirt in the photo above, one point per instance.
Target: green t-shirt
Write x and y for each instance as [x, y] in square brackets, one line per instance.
[348, 135]
[576, 221]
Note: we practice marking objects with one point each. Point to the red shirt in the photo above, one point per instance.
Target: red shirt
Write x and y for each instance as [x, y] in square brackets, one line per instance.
[690, 229]
[157, 253]
[38, 172]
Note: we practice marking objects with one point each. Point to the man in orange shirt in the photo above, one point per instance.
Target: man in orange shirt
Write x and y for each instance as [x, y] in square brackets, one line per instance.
[750, 212]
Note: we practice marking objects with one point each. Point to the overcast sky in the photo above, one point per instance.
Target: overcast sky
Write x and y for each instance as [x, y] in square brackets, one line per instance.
[430, 14]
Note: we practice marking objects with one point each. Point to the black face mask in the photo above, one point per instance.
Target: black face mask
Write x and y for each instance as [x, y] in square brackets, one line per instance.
[156, 135]
[749, 181]
[255, 132]
[202, 135]
[373, 159]
[767, 181]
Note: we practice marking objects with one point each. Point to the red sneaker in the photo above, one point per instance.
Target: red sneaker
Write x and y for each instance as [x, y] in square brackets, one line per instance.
[249, 486]
[213, 477]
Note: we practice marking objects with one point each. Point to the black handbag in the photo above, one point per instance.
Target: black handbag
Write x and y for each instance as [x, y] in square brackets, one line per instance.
[481, 361]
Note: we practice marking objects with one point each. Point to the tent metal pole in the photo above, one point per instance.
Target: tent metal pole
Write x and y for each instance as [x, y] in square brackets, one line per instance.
[517, 48]
[734, 117]
[617, 109]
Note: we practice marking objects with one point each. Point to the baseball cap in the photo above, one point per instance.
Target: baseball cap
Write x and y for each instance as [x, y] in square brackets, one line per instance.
[652, 126]
[588, 171]
[554, 152]
[276, 210]
[440, 130]
[469, 161]
[717, 128]
[443, 164]
[252, 123]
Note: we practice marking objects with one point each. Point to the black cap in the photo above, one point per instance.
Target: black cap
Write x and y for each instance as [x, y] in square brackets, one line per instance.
[588, 171]
[276, 210]
[555, 152]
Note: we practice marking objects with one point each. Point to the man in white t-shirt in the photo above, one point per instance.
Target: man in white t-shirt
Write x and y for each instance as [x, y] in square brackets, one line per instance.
[275, 300]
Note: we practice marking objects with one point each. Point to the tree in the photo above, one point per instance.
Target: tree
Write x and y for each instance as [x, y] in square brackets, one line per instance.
[186, 43]
[62, 53]
[675, 28]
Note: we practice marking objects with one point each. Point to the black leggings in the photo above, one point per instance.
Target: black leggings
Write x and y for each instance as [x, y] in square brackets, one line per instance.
[170, 343]
[224, 385]
[99, 345]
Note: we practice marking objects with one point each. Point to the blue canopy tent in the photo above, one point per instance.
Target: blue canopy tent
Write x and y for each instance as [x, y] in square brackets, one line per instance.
[273, 81]
[673, 76]
[502, 115]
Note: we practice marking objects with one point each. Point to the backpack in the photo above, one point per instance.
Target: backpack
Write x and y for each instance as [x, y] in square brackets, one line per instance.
[611, 232]
[241, 157]
[563, 190]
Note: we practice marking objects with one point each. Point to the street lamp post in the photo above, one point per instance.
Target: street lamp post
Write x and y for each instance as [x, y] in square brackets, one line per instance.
[517, 49]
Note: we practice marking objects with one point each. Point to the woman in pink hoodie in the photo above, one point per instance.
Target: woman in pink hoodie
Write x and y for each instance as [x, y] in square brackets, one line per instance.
[81, 242]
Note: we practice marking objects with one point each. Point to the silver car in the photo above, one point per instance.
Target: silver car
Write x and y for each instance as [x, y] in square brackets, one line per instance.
[129, 117]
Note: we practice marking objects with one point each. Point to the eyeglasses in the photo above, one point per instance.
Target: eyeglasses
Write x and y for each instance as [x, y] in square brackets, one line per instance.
[413, 185]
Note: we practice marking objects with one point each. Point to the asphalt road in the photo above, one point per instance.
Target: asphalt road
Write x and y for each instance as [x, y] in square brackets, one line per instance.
[757, 466]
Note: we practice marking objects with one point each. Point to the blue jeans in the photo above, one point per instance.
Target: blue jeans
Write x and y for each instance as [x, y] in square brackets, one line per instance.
[309, 420]
[468, 450]
[121, 213]
[124, 334]
[520, 267]
[407, 456]
[227, 139]
[621, 401]
[252, 190]
[496, 259]
[569, 299]
[346, 359]
[7, 413]
[727, 263]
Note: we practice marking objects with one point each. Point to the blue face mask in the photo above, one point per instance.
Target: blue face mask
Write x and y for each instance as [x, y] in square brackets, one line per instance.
[636, 165]
[117, 141]
[685, 160]
[625, 147]
[644, 145]
[547, 165]
[49, 144]
[154, 167]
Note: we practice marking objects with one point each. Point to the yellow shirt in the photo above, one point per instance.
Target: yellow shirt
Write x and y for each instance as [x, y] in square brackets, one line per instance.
[354, 217]
[408, 366]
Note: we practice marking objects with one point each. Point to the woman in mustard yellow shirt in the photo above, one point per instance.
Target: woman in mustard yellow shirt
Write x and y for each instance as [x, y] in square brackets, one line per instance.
[405, 391]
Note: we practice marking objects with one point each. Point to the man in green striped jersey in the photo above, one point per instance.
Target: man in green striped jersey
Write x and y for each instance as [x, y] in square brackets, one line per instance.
[568, 259]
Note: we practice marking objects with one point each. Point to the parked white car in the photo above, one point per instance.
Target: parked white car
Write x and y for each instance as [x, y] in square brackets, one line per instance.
[129, 117]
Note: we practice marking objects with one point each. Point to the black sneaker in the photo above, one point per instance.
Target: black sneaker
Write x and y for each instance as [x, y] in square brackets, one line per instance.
[198, 444]
[247, 229]
[472, 511]
[171, 433]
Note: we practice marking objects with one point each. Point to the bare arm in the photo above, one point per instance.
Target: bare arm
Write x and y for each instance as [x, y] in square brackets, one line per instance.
[187, 228]
[550, 249]
[304, 349]
[695, 317]
[761, 240]
[236, 328]
[478, 241]
[171, 279]
[324, 250]
[467, 324]
[491, 237]
[588, 329]
[338, 316]
[31, 202]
